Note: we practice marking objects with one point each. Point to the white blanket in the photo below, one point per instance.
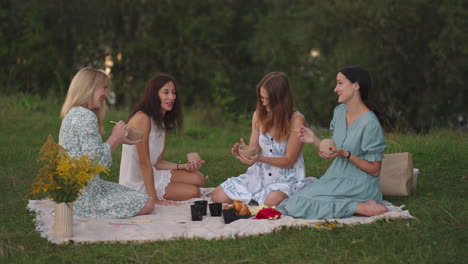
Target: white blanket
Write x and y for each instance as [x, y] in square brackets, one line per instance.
[169, 222]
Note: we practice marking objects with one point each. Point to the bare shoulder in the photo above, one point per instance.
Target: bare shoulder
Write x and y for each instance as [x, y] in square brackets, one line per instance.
[254, 116]
[297, 114]
[297, 119]
[140, 117]
[140, 120]
[254, 121]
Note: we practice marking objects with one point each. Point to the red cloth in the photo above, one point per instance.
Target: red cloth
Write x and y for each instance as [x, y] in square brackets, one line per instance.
[268, 213]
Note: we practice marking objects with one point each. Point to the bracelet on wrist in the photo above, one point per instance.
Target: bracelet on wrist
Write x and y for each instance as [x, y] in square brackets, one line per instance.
[349, 155]
[178, 163]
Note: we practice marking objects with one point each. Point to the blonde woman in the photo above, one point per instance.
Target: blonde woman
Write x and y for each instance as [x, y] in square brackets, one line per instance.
[278, 171]
[82, 114]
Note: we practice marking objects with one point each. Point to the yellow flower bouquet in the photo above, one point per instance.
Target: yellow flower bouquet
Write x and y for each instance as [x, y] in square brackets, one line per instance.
[63, 177]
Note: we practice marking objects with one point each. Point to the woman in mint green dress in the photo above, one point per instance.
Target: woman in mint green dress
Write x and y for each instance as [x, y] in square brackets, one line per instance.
[351, 185]
[82, 113]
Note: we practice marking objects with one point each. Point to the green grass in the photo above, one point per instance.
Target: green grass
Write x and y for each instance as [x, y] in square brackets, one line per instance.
[438, 235]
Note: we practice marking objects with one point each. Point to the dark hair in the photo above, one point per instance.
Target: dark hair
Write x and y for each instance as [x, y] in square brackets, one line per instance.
[150, 104]
[362, 77]
[281, 102]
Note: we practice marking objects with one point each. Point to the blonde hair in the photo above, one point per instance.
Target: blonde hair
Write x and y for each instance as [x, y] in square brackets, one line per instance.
[80, 92]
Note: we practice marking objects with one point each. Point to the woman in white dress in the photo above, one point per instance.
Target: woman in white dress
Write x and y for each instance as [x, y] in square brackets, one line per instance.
[142, 166]
[278, 172]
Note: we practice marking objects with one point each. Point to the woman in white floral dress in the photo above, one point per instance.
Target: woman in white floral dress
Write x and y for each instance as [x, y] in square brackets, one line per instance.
[82, 114]
[278, 172]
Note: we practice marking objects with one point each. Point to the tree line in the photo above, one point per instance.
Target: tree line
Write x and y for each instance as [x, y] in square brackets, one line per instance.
[218, 50]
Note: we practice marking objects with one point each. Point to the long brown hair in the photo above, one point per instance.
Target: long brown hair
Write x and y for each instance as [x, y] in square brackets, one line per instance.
[150, 104]
[281, 103]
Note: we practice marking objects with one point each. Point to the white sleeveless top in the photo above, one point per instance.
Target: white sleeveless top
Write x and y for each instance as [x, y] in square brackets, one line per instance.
[130, 172]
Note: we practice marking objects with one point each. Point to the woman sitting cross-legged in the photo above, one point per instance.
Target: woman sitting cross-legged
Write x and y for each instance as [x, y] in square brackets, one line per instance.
[278, 172]
[143, 166]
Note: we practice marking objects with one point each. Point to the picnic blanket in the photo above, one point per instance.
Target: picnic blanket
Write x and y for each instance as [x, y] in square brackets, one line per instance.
[172, 222]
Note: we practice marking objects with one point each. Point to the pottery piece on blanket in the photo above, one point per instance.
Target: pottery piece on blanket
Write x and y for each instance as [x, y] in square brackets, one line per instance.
[215, 209]
[229, 215]
[197, 212]
[193, 156]
[247, 151]
[134, 134]
[203, 204]
[326, 145]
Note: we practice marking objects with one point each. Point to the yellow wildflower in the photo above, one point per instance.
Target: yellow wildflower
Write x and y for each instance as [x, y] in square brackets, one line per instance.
[327, 225]
[63, 177]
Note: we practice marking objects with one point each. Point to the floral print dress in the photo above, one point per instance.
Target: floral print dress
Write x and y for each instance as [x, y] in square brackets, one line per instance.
[262, 178]
[79, 134]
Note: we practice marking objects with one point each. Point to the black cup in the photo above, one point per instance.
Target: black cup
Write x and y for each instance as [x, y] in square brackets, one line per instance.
[215, 209]
[229, 215]
[196, 211]
[203, 204]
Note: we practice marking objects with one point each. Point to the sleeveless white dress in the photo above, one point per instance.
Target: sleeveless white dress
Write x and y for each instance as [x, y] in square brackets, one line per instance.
[130, 173]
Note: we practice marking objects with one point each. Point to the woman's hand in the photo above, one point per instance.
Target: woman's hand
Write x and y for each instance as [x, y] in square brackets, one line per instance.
[165, 202]
[248, 161]
[117, 136]
[336, 152]
[193, 165]
[119, 131]
[235, 148]
[307, 136]
[235, 151]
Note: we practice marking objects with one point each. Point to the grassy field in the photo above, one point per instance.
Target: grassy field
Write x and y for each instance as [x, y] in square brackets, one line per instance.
[438, 235]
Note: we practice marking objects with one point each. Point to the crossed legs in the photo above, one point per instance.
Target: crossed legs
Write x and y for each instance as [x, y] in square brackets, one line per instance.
[184, 185]
[274, 198]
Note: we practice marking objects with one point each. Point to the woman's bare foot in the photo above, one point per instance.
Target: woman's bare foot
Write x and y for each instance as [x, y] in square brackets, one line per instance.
[148, 207]
[371, 208]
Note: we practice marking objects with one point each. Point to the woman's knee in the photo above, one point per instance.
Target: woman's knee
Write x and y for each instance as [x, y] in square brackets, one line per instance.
[199, 179]
[194, 192]
[219, 196]
[275, 198]
[215, 194]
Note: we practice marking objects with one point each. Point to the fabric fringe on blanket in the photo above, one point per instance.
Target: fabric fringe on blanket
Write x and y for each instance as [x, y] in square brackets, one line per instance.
[173, 222]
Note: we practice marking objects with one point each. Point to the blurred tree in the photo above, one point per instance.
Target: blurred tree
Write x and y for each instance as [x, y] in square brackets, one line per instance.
[219, 50]
[27, 48]
[403, 43]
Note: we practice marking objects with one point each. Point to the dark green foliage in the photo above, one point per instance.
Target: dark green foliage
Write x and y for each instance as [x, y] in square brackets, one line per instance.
[219, 49]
